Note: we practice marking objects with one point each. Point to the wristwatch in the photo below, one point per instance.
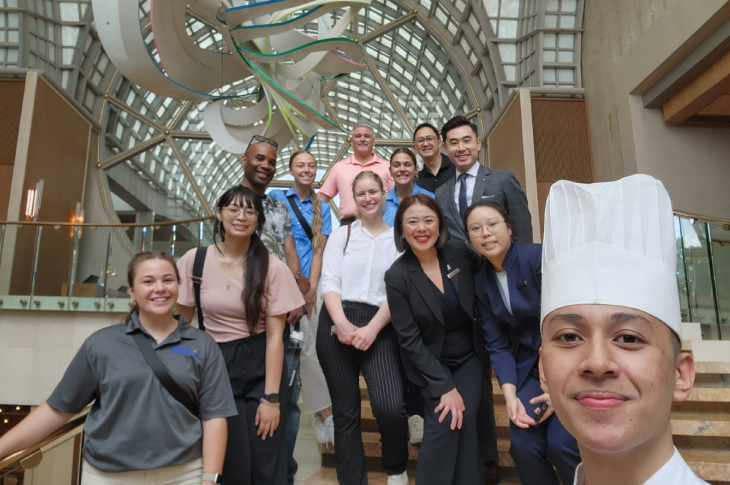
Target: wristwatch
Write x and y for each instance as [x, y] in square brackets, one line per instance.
[298, 275]
[213, 477]
[273, 398]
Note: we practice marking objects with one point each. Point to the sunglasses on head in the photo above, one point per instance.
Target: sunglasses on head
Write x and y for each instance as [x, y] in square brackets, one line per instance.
[262, 139]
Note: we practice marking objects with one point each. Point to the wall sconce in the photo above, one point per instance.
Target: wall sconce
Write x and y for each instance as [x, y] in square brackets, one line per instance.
[33, 201]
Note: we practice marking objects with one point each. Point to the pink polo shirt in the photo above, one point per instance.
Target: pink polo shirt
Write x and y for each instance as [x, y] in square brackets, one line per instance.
[339, 180]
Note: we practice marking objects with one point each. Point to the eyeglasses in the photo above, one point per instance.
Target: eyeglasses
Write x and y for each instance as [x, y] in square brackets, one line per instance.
[423, 141]
[262, 139]
[234, 212]
[477, 230]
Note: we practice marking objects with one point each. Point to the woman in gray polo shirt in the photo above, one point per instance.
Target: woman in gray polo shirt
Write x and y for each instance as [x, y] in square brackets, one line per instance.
[136, 430]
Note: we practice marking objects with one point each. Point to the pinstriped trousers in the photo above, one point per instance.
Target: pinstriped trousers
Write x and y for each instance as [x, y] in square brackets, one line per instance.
[380, 366]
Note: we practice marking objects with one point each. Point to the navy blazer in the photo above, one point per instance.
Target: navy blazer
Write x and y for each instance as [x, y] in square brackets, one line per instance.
[513, 340]
[416, 315]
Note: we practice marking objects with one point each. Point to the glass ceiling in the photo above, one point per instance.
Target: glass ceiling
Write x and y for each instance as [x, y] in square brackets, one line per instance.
[427, 60]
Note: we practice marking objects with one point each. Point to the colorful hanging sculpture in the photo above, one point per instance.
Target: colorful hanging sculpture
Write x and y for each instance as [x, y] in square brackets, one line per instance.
[261, 40]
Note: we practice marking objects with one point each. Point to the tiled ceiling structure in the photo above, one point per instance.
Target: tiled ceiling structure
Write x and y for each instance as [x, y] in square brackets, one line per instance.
[427, 60]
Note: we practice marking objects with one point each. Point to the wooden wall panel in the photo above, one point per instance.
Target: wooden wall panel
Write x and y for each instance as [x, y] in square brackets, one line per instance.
[11, 101]
[57, 154]
[506, 150]
[562, 140]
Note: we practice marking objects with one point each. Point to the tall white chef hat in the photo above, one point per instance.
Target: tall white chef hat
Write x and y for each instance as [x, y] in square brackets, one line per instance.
[611, 243]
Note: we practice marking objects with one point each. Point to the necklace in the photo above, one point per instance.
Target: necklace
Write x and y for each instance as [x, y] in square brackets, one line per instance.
[225, 268]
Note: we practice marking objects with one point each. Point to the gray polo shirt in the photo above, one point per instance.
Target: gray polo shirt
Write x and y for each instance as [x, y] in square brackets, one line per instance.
[135, 424]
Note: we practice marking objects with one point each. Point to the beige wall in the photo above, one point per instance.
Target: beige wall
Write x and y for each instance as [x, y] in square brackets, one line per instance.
[36, 347]
[628, 45]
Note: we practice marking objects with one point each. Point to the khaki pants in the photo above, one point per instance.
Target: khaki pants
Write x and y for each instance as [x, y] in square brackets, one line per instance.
[190, 473]
[315, 395]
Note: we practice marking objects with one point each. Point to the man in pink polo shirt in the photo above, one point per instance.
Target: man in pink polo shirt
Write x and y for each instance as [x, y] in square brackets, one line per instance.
[339, 180]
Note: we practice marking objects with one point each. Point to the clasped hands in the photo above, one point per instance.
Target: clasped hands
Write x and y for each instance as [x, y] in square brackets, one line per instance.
[516, 410]
[360, 338]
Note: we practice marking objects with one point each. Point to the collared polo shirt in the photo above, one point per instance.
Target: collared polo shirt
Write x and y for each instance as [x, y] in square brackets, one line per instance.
[427, 180]
[303, 244]
[342, 174]
[134, 423]
[392, 203]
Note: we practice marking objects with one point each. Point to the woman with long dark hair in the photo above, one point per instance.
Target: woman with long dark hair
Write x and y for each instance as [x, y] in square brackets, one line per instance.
[508, 289]
[136, 430]
[245, 294]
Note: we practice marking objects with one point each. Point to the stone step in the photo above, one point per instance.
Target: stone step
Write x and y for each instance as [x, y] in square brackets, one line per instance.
[712, 465]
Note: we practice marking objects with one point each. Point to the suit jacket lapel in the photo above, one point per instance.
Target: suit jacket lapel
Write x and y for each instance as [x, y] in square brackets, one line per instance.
[423, 285]
[451, 205]
[480, 186]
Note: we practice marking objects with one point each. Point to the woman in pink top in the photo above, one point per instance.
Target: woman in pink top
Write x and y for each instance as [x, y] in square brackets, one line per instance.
[245, 295]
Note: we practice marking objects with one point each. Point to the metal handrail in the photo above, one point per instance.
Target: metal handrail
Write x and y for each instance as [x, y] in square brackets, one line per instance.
[185, 222]
[92, 225]
[72, 428]
[698, 217]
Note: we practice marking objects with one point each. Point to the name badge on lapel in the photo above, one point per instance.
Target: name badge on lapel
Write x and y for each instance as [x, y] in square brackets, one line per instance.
[452, 273]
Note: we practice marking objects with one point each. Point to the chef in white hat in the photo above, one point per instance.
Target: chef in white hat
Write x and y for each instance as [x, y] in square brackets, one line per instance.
[611, 355]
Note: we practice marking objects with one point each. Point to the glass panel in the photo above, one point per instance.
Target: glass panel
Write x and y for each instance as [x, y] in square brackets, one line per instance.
[699, 277]
[720, 234]
[510, 8]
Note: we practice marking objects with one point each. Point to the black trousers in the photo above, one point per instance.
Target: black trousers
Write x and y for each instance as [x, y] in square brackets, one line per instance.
[451, 457]
[381, 367]
[485, 421]
[249, 459]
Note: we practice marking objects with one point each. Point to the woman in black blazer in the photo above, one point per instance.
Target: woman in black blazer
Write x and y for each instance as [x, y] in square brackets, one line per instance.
[431, 298]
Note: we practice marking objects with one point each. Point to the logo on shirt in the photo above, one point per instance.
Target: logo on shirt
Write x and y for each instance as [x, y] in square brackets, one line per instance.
[179, 349]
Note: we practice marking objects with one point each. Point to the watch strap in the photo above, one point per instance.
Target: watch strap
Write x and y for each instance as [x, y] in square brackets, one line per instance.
[213, 477]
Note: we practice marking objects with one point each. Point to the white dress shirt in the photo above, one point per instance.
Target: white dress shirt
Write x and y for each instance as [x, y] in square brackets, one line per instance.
[471, 180]
[674, 472]
[503, 286]
[358, 275]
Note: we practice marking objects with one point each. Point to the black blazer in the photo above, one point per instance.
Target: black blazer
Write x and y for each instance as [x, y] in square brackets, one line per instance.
[417, 318]
[491, 184]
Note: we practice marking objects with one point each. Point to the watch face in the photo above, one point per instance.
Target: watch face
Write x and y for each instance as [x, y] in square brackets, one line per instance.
[273, 398]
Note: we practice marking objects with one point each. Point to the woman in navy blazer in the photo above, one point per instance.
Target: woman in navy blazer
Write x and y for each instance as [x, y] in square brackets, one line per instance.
[431, 296]
[508, 306]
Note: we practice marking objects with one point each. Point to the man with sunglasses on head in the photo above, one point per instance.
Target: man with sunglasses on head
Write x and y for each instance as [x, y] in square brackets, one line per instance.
[437, 167]
[259, 168]
[339, 180]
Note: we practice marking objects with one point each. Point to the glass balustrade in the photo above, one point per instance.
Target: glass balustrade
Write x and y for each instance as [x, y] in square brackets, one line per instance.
[83, 267]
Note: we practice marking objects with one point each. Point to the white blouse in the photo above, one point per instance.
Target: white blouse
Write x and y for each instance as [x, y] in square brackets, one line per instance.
[358, 275]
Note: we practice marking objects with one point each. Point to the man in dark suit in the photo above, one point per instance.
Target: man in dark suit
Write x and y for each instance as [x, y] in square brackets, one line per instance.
[474, 182]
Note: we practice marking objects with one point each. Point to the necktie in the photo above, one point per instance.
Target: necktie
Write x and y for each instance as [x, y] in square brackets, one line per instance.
[462, 194]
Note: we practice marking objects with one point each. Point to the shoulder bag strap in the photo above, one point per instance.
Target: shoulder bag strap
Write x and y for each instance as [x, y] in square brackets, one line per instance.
[198, 265]
[347, 241]
[305, 225]
[160, 371]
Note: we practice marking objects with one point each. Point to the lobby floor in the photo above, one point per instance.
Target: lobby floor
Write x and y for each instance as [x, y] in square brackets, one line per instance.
[328, 476]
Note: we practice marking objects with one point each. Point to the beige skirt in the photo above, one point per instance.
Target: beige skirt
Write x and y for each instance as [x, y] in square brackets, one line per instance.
[190, 473]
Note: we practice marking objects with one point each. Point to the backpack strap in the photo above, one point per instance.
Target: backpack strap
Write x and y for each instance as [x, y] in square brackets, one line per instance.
[198, 265]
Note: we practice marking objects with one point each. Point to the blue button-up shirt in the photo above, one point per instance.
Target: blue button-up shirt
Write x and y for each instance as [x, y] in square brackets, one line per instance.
[392, 203]
[302, 242]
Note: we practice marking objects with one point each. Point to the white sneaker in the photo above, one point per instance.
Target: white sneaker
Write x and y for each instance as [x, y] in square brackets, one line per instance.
[415, 429]
[401, 479]
[329, 426]
[320, 430]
